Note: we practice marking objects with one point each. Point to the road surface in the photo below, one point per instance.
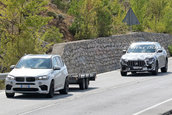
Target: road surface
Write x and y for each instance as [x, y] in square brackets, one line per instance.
[111, 94]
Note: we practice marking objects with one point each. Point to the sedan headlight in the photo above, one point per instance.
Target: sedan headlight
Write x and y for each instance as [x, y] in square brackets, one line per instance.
[10, 77]
[150, 60]
[45, 77]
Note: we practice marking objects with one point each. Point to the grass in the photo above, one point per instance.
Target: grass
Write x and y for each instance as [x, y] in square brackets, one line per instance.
[170, 49]
[2, 85]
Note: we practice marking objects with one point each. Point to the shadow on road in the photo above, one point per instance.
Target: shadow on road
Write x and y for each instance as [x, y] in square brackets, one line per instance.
[146, 74]
[56, 96]
[40, 97]
[75, 89]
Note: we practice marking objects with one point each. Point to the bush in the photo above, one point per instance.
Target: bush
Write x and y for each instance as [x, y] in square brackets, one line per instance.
[170, 49]
[61, 4]
[52, 35]
[2, 85]
[52, 14]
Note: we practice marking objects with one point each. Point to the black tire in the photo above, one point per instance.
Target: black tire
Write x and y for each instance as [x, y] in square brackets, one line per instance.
[155, 72]
[86, 83]
[66, 87]
[123, 73]
[51, 91]
[10, 95]
[82, 84]
[164, 69]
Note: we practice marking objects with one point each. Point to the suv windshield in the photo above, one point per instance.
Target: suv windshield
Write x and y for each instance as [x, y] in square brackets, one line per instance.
[141, 49]
[35, 63]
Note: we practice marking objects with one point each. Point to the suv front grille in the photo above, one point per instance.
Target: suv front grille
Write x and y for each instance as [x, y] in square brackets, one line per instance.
[27, 79]
[19, 79]
[30, 79]
[136, 63]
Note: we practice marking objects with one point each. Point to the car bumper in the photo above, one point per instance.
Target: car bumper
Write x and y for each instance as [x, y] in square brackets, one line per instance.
[39, 86]
[148, 68]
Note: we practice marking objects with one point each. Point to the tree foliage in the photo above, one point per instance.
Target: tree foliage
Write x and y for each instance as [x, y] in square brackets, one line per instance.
[22, 29]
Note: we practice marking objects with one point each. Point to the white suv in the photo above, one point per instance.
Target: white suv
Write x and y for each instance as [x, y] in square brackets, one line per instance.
[144, 56]
[42, 74]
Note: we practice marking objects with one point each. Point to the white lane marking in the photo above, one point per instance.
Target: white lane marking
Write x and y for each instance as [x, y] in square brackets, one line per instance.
[154, 106]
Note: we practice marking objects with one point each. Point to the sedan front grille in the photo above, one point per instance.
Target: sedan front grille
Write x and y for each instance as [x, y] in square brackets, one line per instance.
[136, 63]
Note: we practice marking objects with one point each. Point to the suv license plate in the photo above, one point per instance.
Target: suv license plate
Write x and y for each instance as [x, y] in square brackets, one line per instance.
[25, 86]
[137, 67]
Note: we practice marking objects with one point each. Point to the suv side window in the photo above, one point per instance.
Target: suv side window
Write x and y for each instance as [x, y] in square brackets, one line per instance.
[158, 46]
[58, 62]
[54, 62]
[61, 61]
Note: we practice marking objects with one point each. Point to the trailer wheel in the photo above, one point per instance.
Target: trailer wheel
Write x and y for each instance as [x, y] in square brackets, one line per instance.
[86, 83]
[82, 84]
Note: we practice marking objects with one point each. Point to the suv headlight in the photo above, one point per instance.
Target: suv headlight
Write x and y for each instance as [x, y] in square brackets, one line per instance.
[45, 77]
[123, 62]
[10, 77]
[150, 60]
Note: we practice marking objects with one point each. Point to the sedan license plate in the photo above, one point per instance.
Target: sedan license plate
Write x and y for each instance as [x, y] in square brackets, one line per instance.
[25, 86]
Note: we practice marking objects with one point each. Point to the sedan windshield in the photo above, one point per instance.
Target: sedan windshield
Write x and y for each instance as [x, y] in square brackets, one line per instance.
[141, 49]
[34, 63]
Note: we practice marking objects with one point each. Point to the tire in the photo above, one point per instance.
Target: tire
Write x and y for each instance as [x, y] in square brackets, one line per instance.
[123, 73]
[164, 69]
[86, 83]
[51, 91]
[82, 84]
[10, 95]
[66, 87]
[155, 72]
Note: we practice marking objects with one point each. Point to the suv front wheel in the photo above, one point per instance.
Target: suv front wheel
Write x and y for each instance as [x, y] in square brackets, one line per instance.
[123, 73]
[51, 90]
[155, 72]
[10, 95]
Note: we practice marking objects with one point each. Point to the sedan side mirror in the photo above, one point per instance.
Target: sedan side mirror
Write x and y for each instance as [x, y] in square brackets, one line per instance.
[159, 51]
[124, 51]
[12, 67]
[56, 68]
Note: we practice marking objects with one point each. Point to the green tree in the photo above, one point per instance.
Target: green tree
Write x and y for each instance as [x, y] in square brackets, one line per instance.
[104, 18]
[21, 29]
[84, 26]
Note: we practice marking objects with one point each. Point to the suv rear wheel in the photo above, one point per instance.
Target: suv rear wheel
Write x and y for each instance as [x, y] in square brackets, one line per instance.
[66, 87]
[164, 69]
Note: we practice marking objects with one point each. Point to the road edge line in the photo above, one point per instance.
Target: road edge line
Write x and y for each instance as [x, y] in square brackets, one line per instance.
[151, 107]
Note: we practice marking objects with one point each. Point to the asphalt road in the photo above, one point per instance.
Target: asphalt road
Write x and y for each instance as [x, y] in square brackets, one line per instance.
[111, 94]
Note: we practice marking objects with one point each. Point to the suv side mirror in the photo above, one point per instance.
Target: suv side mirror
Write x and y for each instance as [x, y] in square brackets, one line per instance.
[124, 51]
[12, 67]
[159, 51]
[56, 68]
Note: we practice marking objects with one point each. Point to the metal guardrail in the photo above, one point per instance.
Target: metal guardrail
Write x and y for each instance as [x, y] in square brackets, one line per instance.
[3, 76]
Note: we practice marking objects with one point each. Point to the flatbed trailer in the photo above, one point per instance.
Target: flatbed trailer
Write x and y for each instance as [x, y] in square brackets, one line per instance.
[83, 80]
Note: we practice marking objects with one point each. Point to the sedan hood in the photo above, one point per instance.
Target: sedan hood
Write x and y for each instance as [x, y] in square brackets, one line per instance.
[137, 56]
[30, 72]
